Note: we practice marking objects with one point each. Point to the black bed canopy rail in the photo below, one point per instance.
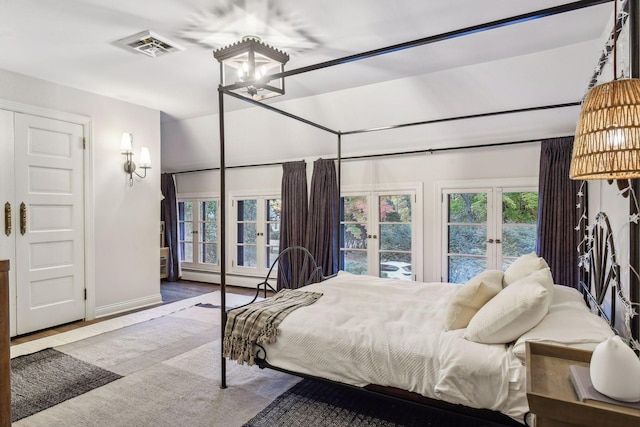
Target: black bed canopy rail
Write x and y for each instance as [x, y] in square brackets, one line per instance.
[401, 125]
[277, 110]
[525, 17]
[222, 90]
[465, 117]
[391, 127]
[376, 155]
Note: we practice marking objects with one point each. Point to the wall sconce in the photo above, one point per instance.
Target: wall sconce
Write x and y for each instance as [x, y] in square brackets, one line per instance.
[245, 65]
[129, 166]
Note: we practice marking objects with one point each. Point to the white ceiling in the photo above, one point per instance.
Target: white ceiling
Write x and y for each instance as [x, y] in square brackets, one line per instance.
[73, 42]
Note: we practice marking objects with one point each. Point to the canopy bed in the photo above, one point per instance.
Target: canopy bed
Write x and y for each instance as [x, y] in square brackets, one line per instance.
[481, 371]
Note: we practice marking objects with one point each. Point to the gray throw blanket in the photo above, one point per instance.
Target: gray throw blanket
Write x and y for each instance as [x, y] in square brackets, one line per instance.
[257, 323]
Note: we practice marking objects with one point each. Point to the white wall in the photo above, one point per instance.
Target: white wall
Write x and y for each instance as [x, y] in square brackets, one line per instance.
[123, 244]
[471, 164]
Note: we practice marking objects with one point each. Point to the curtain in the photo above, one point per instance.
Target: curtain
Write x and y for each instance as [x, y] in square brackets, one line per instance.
[293, 215]
[558, 215]
[169, 214]
[322, 235]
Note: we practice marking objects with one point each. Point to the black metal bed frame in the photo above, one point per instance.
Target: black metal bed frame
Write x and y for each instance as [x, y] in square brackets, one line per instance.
[603, 277]
[227, 90]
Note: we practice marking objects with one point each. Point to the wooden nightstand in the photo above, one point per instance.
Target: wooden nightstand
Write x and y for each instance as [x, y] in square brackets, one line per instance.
[552, 398]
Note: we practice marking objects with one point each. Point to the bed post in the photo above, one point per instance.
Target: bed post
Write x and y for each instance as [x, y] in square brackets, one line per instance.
[339, 198]
[223, 243]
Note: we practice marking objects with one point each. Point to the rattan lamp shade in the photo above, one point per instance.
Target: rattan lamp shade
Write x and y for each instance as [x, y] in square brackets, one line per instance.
[607, 142]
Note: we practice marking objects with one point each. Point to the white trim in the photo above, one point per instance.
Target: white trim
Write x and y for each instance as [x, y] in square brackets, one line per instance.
[121, 307]
[33, 110]
[243, 281]
[197, 195]
[89, 225]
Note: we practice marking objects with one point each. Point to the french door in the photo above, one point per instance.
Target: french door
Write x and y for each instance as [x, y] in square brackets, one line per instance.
[377, 234]
[257, 237]
[198, 237]
[43, 235]
[486, 228]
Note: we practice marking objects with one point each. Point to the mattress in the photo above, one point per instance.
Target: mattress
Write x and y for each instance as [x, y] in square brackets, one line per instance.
[368, 330]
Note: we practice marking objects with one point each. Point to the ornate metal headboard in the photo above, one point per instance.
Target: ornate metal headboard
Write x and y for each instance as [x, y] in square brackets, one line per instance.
[603, 277]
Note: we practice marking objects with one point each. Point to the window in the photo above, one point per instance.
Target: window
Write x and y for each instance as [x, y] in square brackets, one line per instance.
[377, 234]
[486, 228]
[257, 240]
[198, 232]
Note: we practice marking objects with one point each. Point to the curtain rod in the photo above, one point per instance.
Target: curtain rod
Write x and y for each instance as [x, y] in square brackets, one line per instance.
[399, 153]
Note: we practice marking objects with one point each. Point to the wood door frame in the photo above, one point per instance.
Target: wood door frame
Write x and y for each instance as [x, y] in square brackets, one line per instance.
[89, 225]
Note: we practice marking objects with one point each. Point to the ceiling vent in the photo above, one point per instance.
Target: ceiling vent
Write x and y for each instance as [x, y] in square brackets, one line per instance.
[150, 43]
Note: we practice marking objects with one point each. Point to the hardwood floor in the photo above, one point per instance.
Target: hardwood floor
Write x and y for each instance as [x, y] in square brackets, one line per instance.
[170, 291]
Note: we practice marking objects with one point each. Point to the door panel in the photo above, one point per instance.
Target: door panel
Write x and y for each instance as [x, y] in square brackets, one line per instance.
[50, 254]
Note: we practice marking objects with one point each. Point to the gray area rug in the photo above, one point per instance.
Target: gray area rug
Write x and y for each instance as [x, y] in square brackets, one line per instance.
[46, 378]
[171, 377]
[314, 403]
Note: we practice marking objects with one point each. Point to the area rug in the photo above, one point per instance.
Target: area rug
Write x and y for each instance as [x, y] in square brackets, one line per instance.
[315, 403]
[49, 377]
[170, 368]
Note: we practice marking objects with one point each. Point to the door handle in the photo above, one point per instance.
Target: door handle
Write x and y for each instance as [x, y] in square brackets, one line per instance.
[23, 218]
[7, 219]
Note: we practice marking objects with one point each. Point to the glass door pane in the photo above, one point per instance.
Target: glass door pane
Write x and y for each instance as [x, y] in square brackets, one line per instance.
[273, 231]
[353, 234]
[466, 235]
[247, 233]
[395, 234]
[519, 225]
[185, 231]
[209, 232]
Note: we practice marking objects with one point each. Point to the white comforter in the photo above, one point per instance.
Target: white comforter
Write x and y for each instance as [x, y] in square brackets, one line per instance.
[367, 330]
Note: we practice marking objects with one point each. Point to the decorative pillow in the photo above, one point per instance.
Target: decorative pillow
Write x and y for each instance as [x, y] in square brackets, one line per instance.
[471, 297]
[543, 276]
[522, 267]
[566, 325]
[565, 296]
[515, 310]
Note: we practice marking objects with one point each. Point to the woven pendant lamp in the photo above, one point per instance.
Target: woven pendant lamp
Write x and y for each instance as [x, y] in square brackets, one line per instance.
[607, 141]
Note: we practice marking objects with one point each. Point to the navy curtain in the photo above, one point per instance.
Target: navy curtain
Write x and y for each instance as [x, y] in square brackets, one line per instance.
[559, 211]
[293, 216]
[169, 214]
[322, 233]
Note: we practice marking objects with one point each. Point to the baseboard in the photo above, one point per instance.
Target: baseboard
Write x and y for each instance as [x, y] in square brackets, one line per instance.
[134, 304]
[232, 280]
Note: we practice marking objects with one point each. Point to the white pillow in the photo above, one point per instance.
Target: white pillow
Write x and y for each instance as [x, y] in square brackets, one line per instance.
[543, 276]
[566, 325]
[511, 313]
[566, 296]
[471, 297]
[522, 267]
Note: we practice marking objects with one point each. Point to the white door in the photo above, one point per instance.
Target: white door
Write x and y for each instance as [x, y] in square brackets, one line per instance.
[49, 212]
